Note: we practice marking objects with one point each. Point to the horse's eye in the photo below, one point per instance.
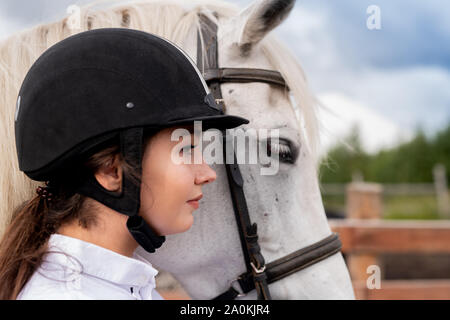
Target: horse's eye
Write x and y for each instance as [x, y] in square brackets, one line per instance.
[281, 148]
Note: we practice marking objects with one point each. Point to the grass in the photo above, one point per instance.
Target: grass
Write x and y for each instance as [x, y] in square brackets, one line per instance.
[395, 207]
[410, 207]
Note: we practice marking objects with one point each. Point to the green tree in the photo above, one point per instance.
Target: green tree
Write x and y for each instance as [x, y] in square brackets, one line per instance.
[410, 162]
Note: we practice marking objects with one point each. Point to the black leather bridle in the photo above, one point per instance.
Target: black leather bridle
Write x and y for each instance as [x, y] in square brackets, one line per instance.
[259, 274]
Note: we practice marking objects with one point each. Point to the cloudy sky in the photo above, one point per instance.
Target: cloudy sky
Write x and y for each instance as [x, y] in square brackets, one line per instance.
[390, 81]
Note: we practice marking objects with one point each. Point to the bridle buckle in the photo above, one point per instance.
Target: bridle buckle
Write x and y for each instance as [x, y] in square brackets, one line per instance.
[260, 270]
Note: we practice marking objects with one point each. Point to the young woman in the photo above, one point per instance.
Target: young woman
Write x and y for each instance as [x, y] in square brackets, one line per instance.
[99, 117]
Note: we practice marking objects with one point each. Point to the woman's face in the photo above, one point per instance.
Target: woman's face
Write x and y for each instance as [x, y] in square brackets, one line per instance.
[168, 185]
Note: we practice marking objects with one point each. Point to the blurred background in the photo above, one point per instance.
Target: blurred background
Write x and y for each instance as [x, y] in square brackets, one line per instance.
[385, 89]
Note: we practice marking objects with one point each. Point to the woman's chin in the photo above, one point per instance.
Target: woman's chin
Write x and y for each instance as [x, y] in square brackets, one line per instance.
[184, 225]
[189, 222]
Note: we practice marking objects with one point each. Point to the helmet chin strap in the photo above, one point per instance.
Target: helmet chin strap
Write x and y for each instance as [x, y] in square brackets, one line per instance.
[143, 234]
[128, 201]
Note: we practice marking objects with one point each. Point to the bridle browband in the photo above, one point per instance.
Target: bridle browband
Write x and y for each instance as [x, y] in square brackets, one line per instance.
[259, 274]
[222, 75]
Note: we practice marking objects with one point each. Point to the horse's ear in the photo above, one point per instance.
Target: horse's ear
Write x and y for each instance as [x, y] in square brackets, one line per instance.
[258, 19]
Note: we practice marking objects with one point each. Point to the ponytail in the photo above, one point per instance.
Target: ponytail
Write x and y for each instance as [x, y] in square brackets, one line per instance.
[25, 241]
[23, 246]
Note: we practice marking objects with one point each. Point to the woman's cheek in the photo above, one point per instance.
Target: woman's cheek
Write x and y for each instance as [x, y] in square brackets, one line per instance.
[183, 181]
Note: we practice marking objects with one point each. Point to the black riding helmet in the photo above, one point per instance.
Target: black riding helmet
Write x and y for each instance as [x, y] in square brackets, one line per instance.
[108, 84]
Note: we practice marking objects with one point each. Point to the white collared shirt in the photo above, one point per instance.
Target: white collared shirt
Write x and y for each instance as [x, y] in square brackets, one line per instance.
[75, 269]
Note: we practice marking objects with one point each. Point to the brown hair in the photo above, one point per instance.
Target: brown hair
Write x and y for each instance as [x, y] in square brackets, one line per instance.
[26, 239]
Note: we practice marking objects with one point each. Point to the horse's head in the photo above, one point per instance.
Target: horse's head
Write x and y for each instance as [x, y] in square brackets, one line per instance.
[287, 205]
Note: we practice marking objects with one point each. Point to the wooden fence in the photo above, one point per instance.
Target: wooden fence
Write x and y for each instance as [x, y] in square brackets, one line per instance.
[364, 236]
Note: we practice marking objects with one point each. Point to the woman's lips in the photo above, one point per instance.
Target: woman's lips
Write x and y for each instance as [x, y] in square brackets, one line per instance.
[193, 203]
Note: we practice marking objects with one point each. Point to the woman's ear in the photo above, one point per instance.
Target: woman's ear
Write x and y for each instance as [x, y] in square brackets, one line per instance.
[110, 175]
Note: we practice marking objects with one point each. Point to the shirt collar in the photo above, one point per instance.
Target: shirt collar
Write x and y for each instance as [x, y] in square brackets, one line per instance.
[84, 257]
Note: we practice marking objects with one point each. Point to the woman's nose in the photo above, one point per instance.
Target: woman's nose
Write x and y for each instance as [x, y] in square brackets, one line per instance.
[205, 174]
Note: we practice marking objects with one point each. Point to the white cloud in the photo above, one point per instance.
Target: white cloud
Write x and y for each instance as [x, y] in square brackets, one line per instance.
[342, 113]
[409, 95]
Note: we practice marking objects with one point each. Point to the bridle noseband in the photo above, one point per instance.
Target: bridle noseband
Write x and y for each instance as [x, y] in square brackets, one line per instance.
[259, 274]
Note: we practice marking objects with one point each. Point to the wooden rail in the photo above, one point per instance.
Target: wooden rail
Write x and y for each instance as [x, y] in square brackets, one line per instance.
[405, 290]
[382, 236]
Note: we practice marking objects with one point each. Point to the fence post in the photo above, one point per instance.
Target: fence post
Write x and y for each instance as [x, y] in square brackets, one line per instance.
[440, 184]
[364, 201]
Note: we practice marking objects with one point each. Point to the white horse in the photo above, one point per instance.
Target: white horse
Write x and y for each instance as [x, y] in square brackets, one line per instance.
[287, 206]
